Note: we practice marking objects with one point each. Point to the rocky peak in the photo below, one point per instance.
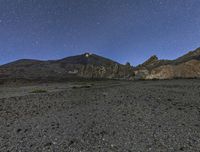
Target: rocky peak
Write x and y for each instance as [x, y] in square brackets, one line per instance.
[151, 60]
[87, 55]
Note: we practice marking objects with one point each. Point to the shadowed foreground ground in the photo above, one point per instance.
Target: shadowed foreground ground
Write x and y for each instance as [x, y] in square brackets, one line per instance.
[107, 116]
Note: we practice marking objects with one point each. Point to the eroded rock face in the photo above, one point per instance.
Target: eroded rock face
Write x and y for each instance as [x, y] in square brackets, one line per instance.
[186, 66]
[141, 74]
[190, 69]
[151, 61]
[113, 71]
[162, 72]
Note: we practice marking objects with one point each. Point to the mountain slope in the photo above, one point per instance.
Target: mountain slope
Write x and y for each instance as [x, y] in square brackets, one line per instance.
[192, 55]
[80, 66]
[87, 58]
[186, 66]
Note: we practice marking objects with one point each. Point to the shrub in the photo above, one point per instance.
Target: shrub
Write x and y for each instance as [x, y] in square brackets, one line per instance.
[39, 91]
[81, 86]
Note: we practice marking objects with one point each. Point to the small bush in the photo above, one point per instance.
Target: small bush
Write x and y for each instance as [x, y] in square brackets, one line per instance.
[81, 86]
[39, 91]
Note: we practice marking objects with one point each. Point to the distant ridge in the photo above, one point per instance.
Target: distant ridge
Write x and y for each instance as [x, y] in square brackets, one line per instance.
[86, 65]
[92, 66]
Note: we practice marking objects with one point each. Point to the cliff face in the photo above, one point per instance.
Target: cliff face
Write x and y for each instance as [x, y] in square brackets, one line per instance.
[189, 69]
[186, 66]
[80, 66]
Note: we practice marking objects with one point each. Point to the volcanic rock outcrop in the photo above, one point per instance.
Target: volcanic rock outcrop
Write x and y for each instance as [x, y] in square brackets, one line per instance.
[186, 66]
[81, 66]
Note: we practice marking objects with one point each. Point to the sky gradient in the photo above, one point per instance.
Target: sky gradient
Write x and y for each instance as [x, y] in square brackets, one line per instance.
[123, 30]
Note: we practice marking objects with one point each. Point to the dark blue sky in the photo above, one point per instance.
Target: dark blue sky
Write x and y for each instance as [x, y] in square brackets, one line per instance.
[123, 30]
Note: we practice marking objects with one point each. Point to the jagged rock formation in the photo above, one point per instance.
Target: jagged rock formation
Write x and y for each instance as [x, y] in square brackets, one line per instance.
[81, 66]
[186, 66]
[151, 61]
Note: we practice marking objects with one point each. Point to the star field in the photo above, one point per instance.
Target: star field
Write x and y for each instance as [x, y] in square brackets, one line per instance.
[123, 30]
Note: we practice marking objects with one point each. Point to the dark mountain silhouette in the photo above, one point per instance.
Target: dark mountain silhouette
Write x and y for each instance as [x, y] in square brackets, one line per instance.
[87, 58]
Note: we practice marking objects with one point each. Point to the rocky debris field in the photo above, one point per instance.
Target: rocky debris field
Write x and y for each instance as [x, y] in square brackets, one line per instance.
[103, 116]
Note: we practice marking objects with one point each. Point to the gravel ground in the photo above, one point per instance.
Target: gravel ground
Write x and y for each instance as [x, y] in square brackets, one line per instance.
[104, 116]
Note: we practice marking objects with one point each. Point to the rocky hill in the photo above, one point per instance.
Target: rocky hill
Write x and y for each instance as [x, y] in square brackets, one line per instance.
[186, 66]
[81, 66]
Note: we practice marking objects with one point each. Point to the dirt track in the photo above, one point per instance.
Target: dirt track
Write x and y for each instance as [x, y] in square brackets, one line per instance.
[107, 116]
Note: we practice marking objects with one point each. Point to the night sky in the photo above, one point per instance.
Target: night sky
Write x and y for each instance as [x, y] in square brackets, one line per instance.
[123, 30]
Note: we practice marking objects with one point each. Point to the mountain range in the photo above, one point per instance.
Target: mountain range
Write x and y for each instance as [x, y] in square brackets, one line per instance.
[87, 66]
[92, 66]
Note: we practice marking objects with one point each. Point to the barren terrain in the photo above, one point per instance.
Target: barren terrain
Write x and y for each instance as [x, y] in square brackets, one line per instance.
[101, 116]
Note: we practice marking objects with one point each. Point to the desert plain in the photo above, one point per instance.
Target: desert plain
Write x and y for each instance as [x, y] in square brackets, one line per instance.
[101, 116]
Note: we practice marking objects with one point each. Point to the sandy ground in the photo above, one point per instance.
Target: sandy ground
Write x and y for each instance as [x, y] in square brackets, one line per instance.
[107, 116]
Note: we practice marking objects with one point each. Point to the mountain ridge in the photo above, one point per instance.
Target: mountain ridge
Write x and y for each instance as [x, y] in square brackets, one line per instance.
[91, 66]
[80, 66]
[185, 66]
